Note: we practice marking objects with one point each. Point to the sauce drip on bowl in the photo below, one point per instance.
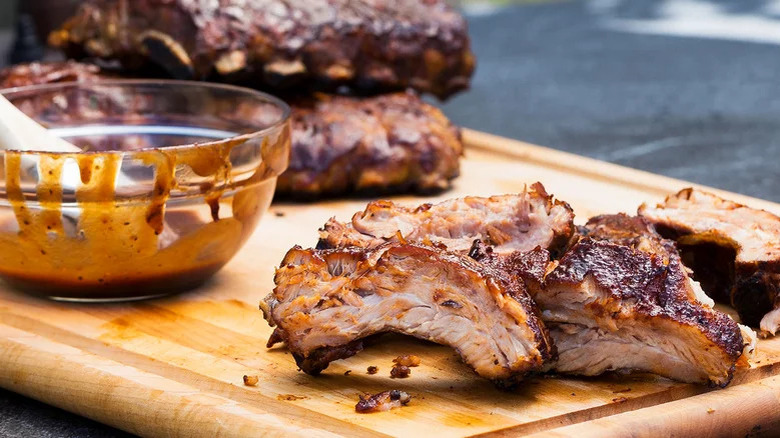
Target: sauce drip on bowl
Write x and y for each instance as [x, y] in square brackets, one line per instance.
[102, 241]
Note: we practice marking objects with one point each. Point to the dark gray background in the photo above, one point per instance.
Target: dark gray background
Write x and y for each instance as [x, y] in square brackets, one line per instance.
[557, 74]
[7, 8]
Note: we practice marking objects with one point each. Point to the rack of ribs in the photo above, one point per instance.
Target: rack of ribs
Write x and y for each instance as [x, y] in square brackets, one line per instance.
[508, 223]
[382, 144]
[620, 299]
[368, 45]
[340, 145]
[327, 302]
[734, 251]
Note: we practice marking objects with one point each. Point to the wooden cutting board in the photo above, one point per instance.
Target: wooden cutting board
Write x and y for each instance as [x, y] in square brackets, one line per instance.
[174, 367]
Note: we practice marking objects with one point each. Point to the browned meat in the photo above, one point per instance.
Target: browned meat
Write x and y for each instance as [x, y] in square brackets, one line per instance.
[632, 231]
[340, 145]
[400, 371]
[620, 299]
[370, 45]
[529, 267]
[508, 223]
[251, 380]
[381, 144]
[326, 301]
[384, 401]
[45, 73]
[734, 251]
[407, 360]
[638, 233]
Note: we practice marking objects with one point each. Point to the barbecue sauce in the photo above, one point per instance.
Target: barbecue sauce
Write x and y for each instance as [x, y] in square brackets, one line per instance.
[116, 249]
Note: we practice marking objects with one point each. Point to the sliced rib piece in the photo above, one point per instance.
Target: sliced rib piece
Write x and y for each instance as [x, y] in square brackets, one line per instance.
[370, 45]
[620, 299]
[340, 145]
[382, 144]
[613, 307]
[508, 223]
[639, 233]
[734, 251]
[327, 301]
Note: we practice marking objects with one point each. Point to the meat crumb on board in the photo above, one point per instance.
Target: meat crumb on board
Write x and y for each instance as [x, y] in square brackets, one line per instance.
[383, 401]
[251, 380]
[400, 371]
[372, 369]
[408, 360]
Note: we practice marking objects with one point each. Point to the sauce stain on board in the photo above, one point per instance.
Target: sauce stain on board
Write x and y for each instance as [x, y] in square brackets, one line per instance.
[457, 419]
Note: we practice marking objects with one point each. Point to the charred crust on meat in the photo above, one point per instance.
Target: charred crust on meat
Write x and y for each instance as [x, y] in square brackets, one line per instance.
[621, 229]
[532, 266]
[319, 359]
[529, 268]
[276, 337]
[644, 280]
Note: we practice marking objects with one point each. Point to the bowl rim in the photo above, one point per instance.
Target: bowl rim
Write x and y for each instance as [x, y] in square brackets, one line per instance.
[283, 119]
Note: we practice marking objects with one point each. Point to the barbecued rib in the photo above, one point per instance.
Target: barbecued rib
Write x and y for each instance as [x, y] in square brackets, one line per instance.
[509, 223]
[370, 45]
[619, 299]
[382, 144]
[734, 251]
[49, 72]
[340, 145]
[327, 301]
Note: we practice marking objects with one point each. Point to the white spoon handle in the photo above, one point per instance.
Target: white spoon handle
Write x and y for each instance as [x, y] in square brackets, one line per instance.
[20, 132]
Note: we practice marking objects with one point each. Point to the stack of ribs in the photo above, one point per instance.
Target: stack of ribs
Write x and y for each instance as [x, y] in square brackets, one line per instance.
[512, 285]
[380, 138]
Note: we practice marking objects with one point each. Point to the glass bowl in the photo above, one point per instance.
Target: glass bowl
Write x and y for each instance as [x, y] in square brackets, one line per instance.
[171, 181]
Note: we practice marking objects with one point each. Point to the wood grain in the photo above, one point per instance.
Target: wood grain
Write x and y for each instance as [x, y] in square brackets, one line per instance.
[174, 366]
